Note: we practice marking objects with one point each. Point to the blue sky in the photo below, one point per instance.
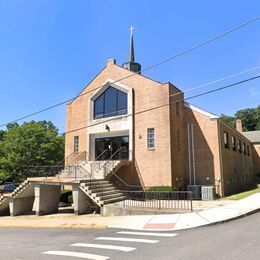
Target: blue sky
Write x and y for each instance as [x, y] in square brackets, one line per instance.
[50, 50]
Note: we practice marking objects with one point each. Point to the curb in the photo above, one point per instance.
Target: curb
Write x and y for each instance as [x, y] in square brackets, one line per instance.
[75, 226]
[222, 221]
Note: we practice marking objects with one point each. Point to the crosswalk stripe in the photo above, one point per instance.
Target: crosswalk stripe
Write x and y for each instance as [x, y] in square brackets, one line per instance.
[119, 248]
[77, 254]
[128, 239]
[147, 234]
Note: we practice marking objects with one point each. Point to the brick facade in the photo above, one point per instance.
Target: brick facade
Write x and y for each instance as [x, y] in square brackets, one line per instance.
[171, 162]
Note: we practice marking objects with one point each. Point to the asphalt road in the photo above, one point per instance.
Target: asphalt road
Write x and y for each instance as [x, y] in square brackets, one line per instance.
[239, 239]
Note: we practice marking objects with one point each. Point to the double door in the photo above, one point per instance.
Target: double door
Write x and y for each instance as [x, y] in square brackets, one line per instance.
[115, 148]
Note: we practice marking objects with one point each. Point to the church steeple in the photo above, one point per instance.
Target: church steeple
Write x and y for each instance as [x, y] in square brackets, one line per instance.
[132, 65]
[131, 54]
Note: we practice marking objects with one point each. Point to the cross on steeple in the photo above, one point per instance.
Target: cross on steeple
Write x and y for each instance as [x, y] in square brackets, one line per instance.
[131, 64]
[131, 29]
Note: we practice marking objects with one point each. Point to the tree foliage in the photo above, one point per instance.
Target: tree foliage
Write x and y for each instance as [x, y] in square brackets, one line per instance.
[27, 145]
[250, 118]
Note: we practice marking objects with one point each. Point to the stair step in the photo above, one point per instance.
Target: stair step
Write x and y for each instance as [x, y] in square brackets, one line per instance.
[96, 190]
[99, 194]
[94, 182]
[111, 196]
[108, 201]
[100, 185]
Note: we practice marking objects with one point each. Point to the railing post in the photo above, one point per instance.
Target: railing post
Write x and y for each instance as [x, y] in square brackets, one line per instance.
[191, 208]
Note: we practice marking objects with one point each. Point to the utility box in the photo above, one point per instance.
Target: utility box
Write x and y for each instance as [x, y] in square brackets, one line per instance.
[196, 191]
[208, 192]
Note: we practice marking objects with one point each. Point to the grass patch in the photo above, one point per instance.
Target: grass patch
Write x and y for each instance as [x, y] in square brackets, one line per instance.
[245, 194]
[160, 188]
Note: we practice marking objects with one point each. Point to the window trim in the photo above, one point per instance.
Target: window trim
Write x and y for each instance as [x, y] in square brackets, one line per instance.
[234, 142]
[149, 139]
[116, 112]
[239, 145]
[76, 144]
[226, 139]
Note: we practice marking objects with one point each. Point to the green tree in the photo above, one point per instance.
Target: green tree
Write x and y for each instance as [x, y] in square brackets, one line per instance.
[27, 145]
[230, 120]
[250, 118]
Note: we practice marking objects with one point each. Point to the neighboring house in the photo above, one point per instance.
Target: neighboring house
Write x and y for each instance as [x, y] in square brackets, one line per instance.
[123, 115]
[254, 137]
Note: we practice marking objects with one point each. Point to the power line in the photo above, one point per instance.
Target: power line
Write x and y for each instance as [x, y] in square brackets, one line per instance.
[168, 104]
[157, 107]
[217, 80]
[147, 68]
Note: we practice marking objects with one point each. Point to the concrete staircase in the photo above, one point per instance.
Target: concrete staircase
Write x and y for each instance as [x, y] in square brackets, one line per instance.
[102, 192]
[23, 190]
[23, 187]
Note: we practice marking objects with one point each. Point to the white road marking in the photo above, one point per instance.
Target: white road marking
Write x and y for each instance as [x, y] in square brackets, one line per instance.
[76, 254]
[119, 248]
[128, 239]
[148, 234]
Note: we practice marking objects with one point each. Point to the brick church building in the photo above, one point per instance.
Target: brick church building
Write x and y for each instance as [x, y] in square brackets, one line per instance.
[125, 116]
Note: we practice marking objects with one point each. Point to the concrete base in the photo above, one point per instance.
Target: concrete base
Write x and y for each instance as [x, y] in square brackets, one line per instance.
[116, 210]
[20, 206]
[47, 199]
[4, 207]
[81, 202]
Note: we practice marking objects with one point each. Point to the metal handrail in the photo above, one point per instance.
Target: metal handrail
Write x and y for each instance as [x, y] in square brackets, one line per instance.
[159, 200]
[96, 162]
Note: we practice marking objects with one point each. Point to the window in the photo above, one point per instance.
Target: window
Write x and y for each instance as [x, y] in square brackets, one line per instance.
[150, 138]
[226, 141]
[76, 144]
[248, 150]
[112, 102]
[244, 148]
[234, 141]
[239, 146]
[177, 108]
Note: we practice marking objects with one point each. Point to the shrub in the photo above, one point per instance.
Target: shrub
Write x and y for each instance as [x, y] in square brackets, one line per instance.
[65, 195]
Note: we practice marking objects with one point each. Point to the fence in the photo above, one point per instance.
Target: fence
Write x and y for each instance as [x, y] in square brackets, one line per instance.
[158, 200]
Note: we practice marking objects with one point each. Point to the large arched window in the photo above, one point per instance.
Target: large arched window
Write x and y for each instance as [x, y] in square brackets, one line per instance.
[112, 102]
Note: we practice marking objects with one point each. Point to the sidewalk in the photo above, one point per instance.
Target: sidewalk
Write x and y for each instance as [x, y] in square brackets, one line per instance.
[144, 222]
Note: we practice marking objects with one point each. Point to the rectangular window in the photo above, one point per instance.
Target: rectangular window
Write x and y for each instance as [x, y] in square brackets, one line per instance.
[248, 150]
[239, 146]
[234, 142]
[150, 138]
[226, 141]
[76, 144]
[244, 148]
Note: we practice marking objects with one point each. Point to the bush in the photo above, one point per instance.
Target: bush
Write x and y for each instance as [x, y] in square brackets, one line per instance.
[65, 196]
[160, 188]
[70, 199]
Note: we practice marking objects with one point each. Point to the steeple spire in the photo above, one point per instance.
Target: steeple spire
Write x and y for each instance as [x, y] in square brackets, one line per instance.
[132, 65]
[131, 54]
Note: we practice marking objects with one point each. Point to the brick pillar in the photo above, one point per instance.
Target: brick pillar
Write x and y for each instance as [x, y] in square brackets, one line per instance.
[239, 125]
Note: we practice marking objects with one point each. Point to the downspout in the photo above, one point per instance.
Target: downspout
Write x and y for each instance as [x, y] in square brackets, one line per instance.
[193, 155]
[188, 128]
[220, 158]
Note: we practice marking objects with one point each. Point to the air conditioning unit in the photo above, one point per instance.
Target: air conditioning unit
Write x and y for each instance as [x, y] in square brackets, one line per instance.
[208, 192]
[196, 191]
